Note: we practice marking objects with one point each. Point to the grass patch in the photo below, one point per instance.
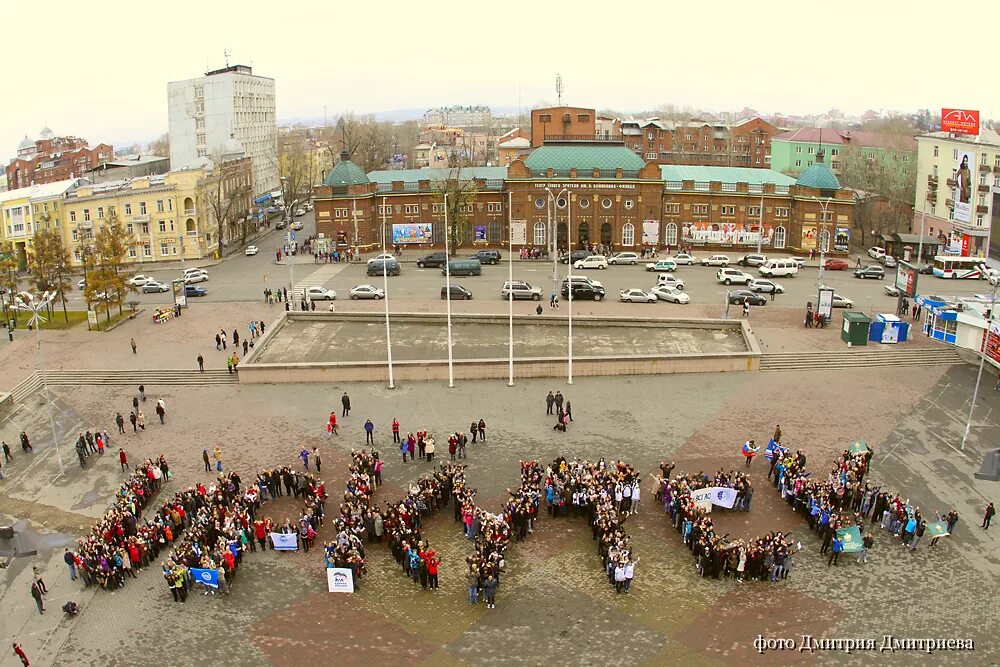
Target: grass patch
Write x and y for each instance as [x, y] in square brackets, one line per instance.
[56, 321]
[103, 323]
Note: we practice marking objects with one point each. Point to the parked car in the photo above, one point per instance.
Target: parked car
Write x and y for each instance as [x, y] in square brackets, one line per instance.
[366, 292]
[667, 293]
[380, 258]
[252, 250]
[195, 269]
[684, 258]
[139, 280]
[196, 277]
[386, 266]
[799, 262]
[582, 279]
[591, 262]
[888, 261]
[926, 269]
[875, 253]
[751, 260]
[281, 224]
[729, 276]
[737, 296]
[636, 296]
[583, 290]
[316, 293]
[575, 256]
[487, 256]
[715, 260]
[296, 226]
[152, 286]
[836, 264]
[667, 265]
[194, 290]
[891, 290]
[778, 267]
[872, 271]
[624, 258]
[842, 301]
[520, 290]
[457, 293]
[462, 267]
[433, 260]
[766, 286]
[299, 212]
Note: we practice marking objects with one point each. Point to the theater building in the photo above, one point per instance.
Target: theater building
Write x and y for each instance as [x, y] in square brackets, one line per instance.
[586, 194]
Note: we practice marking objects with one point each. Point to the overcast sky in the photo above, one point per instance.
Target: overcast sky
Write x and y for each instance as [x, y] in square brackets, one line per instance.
[100, 71]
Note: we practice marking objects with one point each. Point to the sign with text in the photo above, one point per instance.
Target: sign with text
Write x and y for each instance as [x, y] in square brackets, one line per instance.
[963, 186]
[960, 121]
[419, 232]
[339, 580]
[991, 343]
[824, 302]
[519, 232]
[906, 279]
[650, 232]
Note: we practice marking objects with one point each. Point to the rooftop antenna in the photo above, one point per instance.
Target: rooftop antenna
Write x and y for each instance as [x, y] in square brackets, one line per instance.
[559, 87]
[225, 53]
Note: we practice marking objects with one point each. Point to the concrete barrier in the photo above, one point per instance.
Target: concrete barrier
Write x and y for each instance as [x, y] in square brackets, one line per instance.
[6, 404]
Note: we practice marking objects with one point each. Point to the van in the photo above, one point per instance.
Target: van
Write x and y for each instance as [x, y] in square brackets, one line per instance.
[463, 267]
[779, 267]
[391, 267]
[457, 293]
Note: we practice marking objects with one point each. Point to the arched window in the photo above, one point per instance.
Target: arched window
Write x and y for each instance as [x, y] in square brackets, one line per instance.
[539, 233]
[671, 237]
[628, 235]
[779, 237]
[494, 232]
[824, 241]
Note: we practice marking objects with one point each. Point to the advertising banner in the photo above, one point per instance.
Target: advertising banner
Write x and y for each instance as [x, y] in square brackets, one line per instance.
[650, 232]
[842, 239]
[906, 279]
[204, 577]
[285, 541]
[180, 295]
[966, 245]
[480, 232]
[339, 580]
[824, 302]
[702, 498]
[418, 232]
[991, 343]
[960, 121]
[808, 237]
[963, 186]
[519, 232]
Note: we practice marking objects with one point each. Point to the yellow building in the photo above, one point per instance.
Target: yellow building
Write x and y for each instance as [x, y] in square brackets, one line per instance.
[170, 216]
[27, 210]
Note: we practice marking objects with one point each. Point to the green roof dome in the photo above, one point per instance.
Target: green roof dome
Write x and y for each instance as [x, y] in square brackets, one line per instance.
[345, 173]
[819, 176]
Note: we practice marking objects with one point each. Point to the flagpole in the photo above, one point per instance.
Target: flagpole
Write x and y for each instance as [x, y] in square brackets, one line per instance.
[385, 289]
[569, 264]
[447, 282]
[510, 295]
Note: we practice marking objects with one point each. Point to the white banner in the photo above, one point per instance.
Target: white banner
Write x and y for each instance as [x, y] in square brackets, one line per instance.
[519, 232]
[703, 499]
[339, 580]
[650, 232]
[285, 541]
[723, 496]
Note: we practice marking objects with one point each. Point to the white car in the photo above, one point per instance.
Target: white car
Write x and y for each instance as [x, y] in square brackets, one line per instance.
[765, 286]
[315, 293]
[875, 253]
[367, 292]
[520, 290]
[592, 262]
[299, 213]
[384, 257]
[296, 226]
[842, 301]
[624, 258]
[669, 280]
[637, 296]
[684, 258]
[139, 281]
[82, 284]
[891, 290]
[252, 250]
[192, 278]
[728, 276]
[667, 293]
[716, 260]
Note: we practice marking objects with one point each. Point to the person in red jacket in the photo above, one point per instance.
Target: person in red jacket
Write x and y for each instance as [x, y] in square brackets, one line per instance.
[395, 430]
[21, 654]
[432, 570]
[123, 458]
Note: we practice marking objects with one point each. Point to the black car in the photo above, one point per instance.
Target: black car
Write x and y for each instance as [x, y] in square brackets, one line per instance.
[435, 260]
[737, 296]
[584, 291]
[281, 224]
[872, 271]
[458, 293]
[487, 256]
[575, 256]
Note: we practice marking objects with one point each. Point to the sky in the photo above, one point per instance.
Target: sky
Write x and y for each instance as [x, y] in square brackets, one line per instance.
[100, 71]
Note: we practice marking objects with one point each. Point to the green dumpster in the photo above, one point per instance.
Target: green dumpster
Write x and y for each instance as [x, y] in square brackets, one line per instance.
[855, 329]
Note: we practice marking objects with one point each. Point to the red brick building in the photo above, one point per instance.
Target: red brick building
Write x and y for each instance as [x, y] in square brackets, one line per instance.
[561, 123]
[50, 159]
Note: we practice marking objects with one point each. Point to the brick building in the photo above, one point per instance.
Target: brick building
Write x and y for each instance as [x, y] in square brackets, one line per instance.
[562, 123]
[50, 159]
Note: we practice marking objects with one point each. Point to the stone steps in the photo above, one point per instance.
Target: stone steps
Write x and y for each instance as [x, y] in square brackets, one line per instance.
[857, 358]
[134, 377]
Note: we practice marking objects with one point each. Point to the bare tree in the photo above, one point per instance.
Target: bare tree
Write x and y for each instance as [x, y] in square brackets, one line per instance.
[884, 180]
[161, 146]
[458, 196]
[227, 192]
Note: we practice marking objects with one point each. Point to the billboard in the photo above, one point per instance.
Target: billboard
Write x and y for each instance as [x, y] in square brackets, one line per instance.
[808, 237]
[824, 302]
[519, 232]
[418, 232]
[906, 279]
[180, 293]
[842, 239]
[991, 343]
[963, 186]
[650, 232]
[480, 232]
[960, 121]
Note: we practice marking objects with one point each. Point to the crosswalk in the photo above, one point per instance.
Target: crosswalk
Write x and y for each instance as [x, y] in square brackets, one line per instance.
[318, 278]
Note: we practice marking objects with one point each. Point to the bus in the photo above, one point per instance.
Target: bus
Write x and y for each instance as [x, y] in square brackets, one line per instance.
[952, 266]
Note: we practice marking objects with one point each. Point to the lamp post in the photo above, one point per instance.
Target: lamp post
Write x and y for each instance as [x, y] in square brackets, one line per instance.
[385, 290]
[510, 295]
[289, 208]
[822, 247]
[447, 283]
[552, 202]
[35, 307]
[982, 361]
[569, 283]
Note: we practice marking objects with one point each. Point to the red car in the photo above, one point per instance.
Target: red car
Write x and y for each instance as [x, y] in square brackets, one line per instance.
[834, 264]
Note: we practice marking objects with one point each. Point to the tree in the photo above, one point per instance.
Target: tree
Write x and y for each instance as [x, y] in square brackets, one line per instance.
[111, 247]
[8, 281]
[884, 180]
[459, 199]
[227, 192]
[368, 142]
[49, 266]
[161, 146]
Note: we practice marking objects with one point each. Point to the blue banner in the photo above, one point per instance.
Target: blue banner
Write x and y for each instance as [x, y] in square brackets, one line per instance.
[208, 578]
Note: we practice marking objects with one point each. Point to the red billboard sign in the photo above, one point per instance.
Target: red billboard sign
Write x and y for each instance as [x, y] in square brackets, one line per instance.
[960, 121]
[965, 245]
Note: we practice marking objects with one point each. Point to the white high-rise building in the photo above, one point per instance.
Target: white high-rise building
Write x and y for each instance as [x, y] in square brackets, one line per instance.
[205, 112]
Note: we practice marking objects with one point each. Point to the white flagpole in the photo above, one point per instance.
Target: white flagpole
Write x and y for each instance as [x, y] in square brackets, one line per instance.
[385, 289]
[510, 295]
[569, 268]
[447, 282]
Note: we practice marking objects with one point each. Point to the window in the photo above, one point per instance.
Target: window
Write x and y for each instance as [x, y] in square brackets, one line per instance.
[72, 216]
[810, 151]
[672, 209]
[650, 156]
[159, 206]
[781, 212]
[145, 228]
[86, 215]
[798, 149]
[954, 155]
[700, 209]
[128, 209]
[996, 162]
[142, 208]
[129, 228]
[75, 236]
[170, 204]
[437, 208]
[561, 202]
[629, 203]
[833, 152]
[494, 232]
[540, 202]
[163, 226]
[935, 151]
[779, 237]
[76, 255]
[340, 212]
[671, 234]
[147, 250]
[628, 234]
[539, 233]
[798, 163]
[131, 252]
[545, 117]
[412, 208]
[728, 210]
[606, 202]
[493, 207]
[979, 220]
[163, 249]
[753, 212]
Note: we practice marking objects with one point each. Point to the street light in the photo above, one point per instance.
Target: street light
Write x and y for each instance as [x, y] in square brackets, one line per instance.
[822, 247]
[510, 283]
[569, 282]
[289, 208]
[550, 209]
[385, 289]
[36, 307]
[982, 360]
[447, 283]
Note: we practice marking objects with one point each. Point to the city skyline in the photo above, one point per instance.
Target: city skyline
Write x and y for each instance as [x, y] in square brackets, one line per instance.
[796, 67]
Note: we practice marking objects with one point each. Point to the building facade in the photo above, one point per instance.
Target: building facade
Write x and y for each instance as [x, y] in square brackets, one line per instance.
[459, 116]
[562, 123]
[128, 166]
[958, 191]
[35, 208]
[584, 195]
[51, 159]
[795, 151]
[205, 112]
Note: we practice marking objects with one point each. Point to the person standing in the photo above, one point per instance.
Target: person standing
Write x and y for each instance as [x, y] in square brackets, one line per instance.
[345, 400]
[838, 546]
[550, 401]
[208, 463]
[331, 426]
[629, 573]
[218, 458]
[161, 411]
[141, 420]
[36, 593]
[201, 364]
[135, 422]
[236, 337]
[70, 559]
[218, 342]
[559, 400]
[369, 432]
[395, 430]
[304, 455]
[433, 564]
[490, 592]
[429, 449]
[482, 429]
[132, 343]
[317, 460]
[746, 308]
[472, 581]
[142, 393]
[749, 451]
[868, 541]
[21, 654]
[474, 430]
[990, 512]
[223, 334]
[123, 459]
[777, 433]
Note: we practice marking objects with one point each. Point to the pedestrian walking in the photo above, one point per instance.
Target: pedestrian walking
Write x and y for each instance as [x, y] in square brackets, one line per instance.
[569, 411]
[246, 345]
[6, 453]
[474, 430]
[990, 512]
[218, 342]
[142, 393]
[36, 593]
[161, 410]
[120, 422]
[369, 432]
[132, 343]
[236, 337]
[395, 430]
[317, 460]
[331, 426]
[201, 364]
[135, 422]
[482, 430]
[345, 400]
[304, 455]
[70, 559]
[141, 418]
[746, 308]
[25, 443]
[21, 654]
[123, 459]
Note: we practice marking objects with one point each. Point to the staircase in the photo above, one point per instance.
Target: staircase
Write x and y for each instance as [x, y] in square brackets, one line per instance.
[151, 378]
[857, 358]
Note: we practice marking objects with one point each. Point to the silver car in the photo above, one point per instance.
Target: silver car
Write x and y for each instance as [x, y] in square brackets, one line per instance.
[366, 292]
[520, 290]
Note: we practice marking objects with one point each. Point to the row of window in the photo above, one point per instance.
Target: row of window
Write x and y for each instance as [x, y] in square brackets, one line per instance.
[162, 206]
[539, 234]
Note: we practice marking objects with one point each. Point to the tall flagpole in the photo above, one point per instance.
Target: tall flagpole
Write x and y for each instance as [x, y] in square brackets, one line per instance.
[510, 295]
[569, 253]
[385, 289]
[447, 282]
